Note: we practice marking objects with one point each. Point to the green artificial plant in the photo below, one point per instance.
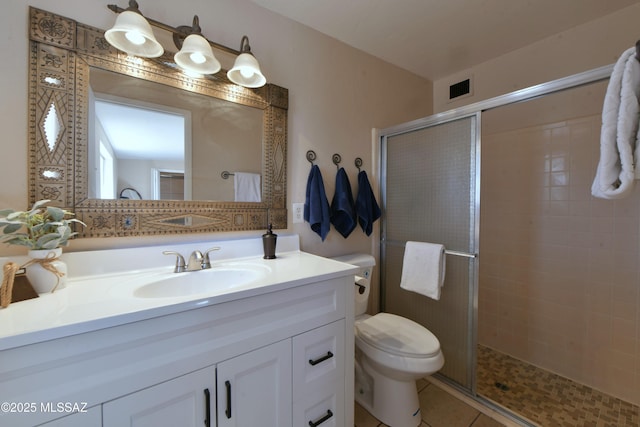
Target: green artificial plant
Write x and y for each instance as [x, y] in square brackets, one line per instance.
[42, 227]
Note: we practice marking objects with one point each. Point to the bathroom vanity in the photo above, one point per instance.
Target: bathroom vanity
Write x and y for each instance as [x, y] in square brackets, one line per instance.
[119, 345]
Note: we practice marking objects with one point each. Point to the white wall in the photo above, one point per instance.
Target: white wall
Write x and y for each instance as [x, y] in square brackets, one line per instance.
[336, 96]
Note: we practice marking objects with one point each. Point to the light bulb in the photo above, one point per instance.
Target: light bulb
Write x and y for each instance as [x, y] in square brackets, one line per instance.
[246, 73]
[198, 57]
[135, 37]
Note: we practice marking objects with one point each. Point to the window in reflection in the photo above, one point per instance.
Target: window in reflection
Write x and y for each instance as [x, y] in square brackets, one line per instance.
[107, 173]
[219, 135]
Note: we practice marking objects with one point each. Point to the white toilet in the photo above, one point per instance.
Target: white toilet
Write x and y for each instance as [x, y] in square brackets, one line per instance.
[392, 352]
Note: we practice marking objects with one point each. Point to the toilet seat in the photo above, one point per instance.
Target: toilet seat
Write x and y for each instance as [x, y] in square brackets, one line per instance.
[398, 336]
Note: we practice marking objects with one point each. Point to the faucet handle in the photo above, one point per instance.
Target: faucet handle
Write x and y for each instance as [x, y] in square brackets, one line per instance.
[206, 262]
[180, 264]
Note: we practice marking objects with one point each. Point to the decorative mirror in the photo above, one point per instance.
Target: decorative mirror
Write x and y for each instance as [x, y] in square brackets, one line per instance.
[65, 97]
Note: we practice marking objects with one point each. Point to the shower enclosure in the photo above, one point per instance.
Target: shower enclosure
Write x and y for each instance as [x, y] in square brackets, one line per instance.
[430, 194]
[554, 283]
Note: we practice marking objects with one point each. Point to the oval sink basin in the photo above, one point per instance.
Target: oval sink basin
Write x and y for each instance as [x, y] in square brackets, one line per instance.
[212, 281]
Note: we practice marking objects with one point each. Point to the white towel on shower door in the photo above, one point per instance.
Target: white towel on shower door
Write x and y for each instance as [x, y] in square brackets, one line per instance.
[247, 187]
[619, 136]
[423, 268]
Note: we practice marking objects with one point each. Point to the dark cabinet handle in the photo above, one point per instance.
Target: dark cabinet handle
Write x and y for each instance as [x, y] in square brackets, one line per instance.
[329, 355]
[321, 420]
[227, 411]
[207, 413]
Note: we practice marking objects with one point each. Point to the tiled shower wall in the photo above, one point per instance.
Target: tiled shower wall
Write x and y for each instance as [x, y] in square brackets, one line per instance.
[559, 269]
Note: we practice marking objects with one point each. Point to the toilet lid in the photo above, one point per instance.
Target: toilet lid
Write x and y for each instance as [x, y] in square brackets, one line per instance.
[398, 335]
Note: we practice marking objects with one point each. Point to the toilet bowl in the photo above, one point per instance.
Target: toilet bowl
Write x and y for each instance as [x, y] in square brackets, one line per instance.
[392, 352]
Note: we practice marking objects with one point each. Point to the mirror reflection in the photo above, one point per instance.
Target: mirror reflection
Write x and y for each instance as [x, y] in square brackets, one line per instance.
[225, 128]
[154, 142]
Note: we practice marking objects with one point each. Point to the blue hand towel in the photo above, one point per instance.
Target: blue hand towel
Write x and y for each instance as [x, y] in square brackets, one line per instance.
[367, 208]
[316, 205]
[343, 216]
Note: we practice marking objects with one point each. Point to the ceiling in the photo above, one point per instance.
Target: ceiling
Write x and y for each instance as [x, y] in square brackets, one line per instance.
[437, 38]
[139, 133]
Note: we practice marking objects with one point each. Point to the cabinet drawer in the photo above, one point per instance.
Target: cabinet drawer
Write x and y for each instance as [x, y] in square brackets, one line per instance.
[318, 358]
[322, 408]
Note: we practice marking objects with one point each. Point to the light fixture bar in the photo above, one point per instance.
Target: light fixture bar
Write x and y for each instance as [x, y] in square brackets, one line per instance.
[117, 9]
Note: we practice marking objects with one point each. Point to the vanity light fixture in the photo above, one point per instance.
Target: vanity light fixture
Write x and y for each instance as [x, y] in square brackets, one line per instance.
[133, 34]
[246, 70]
[195, 55]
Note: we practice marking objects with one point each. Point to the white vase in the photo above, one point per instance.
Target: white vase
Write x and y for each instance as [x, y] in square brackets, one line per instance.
[43, 280]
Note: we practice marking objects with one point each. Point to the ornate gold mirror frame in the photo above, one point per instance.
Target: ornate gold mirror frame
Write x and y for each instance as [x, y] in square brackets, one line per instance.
[61, 54]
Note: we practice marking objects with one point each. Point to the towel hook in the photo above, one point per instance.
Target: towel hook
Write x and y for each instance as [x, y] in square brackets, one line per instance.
[358, 163]
[336, 160]
[311, 156]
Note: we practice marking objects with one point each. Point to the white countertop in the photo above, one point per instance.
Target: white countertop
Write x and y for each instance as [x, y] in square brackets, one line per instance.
[105, 299]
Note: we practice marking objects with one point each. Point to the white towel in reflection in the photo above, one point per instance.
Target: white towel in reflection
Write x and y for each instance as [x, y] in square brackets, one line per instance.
[423, 268]
[247, 187]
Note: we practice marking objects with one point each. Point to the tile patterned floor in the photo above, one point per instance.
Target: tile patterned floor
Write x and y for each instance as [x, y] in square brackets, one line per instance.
[548, 399]
[438, 408]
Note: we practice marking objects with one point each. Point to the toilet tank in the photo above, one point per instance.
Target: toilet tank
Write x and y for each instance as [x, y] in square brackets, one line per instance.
[365, 264]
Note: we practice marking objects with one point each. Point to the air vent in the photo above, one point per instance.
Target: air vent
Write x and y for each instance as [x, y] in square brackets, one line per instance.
[461, 88]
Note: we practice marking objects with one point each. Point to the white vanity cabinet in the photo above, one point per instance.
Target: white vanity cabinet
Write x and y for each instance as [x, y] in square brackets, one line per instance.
[283, 355]
[259, 387]
[186, 401]
[254, 389]
[91, 417]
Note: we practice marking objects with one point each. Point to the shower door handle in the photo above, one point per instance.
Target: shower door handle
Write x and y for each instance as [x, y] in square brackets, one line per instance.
[399, 243]
[462, 254]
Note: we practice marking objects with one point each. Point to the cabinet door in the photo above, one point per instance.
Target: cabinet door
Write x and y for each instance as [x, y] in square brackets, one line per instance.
[183, 401]
[90, 418]
[254, 389]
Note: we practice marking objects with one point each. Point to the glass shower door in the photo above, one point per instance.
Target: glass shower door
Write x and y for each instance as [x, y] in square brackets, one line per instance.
[430, 193]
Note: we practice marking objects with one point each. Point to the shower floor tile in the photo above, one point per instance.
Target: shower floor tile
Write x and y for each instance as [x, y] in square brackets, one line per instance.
[546, 398]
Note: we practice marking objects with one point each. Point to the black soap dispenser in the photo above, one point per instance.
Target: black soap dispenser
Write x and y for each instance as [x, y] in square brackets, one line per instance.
[269, 243]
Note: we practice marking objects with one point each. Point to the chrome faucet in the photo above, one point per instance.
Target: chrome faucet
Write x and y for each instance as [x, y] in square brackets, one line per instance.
[197, 261]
